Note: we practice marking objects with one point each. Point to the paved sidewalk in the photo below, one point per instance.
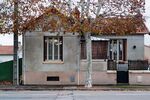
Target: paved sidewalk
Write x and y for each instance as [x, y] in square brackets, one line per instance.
[94, 88]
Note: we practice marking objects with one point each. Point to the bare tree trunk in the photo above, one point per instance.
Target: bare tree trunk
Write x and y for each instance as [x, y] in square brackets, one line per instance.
[15, 59]
[88, 83]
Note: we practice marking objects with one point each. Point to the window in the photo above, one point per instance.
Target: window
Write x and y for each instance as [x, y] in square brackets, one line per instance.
[117, 49]
[99, 50]
[53, 48]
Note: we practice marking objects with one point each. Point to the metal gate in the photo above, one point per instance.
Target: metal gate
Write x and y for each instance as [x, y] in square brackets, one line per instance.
[122, 73]
[6, 71]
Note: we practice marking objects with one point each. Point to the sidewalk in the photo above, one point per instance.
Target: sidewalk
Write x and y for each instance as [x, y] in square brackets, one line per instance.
[82, 88]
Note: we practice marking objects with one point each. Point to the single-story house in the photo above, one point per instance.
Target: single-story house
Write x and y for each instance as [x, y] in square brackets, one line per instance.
[59, 58]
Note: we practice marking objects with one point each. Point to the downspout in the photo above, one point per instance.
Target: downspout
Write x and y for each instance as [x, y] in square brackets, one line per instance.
[78, 60]
[23, 64]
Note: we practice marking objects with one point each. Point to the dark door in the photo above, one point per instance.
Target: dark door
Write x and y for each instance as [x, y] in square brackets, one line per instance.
[122, 77]
[122, 73]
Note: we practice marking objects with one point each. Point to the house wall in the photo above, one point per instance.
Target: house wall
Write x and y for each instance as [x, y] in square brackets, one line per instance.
[138, 52]
[36, 71]
[132, 40]
[4, 58]
[147, 53]
[139, 77]
[36, 68]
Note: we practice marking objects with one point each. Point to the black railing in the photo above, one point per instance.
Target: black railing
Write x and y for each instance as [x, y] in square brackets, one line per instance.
[132, 65]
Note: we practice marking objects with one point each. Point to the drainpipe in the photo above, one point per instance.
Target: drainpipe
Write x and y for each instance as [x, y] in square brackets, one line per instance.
[23, 64]
[78, 60]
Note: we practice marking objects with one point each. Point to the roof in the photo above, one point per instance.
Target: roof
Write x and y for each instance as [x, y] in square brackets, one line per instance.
[148, 46]
[6, 50]
[48, 21]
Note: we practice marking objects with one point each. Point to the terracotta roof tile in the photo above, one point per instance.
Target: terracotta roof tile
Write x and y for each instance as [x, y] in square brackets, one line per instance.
[6, 49]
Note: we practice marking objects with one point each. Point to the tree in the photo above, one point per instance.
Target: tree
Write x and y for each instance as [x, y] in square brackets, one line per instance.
[87, 17]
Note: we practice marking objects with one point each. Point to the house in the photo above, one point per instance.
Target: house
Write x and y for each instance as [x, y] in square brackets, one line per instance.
[6, 53]
[59, 58]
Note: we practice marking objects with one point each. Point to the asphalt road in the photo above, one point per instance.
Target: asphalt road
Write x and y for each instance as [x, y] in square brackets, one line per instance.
[74, 95]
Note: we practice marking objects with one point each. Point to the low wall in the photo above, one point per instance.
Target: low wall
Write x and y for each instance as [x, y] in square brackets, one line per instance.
[69, 78]
[139, 77]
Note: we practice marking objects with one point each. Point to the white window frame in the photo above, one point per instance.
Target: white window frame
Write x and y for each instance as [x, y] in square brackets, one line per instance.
[115, 49]
[53, 40]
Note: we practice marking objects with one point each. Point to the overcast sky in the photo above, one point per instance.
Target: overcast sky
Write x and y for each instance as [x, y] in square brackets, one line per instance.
[8, 39]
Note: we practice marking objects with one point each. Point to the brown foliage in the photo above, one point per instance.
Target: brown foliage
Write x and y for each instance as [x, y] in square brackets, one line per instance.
[119, 16]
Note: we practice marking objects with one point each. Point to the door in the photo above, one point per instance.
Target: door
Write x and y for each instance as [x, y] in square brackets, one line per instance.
[122, 73]
[122, 77]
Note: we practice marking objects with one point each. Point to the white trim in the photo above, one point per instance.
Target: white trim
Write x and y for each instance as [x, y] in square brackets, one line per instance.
[111, 71]
[53, 62]
[95, 60]
[58, 48]
[47, 40]
[52, 40]
[139, 71]
[53, 49]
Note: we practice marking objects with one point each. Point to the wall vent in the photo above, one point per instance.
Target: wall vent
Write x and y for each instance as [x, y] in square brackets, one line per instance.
[52, 78]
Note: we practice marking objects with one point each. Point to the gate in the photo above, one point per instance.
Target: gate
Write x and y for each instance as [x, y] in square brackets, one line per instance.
[122, 74]
[6, 71]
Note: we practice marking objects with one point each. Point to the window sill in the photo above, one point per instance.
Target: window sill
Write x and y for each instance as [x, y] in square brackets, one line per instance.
[139, 71]
[53, 62]
[95, 60]
[111, 71]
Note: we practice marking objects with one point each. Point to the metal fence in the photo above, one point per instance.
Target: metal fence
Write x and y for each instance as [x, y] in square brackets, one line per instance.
[132, 65]
[6, 71]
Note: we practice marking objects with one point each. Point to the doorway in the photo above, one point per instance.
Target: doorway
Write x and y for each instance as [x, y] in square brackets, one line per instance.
[122, 74]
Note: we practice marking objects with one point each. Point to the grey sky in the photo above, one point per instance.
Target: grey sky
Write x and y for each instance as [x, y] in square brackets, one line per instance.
[8, 39]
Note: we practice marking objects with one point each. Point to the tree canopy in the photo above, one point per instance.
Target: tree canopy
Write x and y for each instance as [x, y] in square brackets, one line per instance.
[95, 16]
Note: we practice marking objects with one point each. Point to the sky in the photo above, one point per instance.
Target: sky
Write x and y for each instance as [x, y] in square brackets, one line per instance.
[8, 38]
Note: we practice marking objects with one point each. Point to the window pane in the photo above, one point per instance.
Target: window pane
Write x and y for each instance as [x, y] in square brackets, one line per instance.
[50, 49]
[60, 49]
[45, 48]
[83, 50]
[120, 50]
[56, 43]
[53, 48]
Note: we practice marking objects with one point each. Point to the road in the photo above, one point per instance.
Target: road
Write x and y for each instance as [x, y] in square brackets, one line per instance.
[74, 95]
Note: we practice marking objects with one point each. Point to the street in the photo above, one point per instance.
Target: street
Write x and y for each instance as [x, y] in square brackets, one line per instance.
[74, 95]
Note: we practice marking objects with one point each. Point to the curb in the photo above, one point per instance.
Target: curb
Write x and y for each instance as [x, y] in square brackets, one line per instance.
[75, 88]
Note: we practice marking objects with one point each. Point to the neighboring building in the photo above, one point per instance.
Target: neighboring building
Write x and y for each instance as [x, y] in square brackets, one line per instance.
[59, 58]
[147, 53]
[6, 53]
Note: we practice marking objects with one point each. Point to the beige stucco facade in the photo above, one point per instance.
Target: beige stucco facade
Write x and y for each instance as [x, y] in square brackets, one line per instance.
[71, 70]
[147, 53]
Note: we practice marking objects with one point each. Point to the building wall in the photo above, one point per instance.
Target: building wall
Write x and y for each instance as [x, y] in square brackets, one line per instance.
[34, 63]
[138, 52]
[36, 71]
[139, 77]
[132, 40]
[4, 58]
[147, 53]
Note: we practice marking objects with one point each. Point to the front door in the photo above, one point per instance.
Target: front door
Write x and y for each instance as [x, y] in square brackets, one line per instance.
[122, 77]
[122, 74]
